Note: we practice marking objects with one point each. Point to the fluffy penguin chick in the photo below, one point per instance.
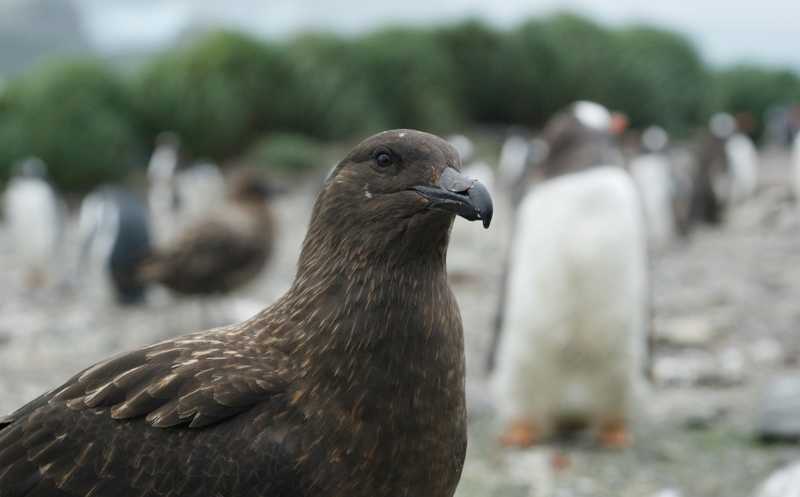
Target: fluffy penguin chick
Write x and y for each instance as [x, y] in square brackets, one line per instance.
[572, 343]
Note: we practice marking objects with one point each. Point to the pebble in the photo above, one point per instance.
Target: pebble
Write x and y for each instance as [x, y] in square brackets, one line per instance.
[766, 351]
[783, 483]
[779, 409]
[668, 492]
[705, 418]
[701, 368]
[686, 331]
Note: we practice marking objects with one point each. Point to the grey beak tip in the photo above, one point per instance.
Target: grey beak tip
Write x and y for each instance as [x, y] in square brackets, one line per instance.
[481, 200]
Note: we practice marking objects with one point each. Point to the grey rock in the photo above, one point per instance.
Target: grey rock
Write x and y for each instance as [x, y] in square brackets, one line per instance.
[699, 367]
[686, 331]
[704, 418]
[783, 483]
[779, 409]
[668, 492]
[766, 351]
[699, 328]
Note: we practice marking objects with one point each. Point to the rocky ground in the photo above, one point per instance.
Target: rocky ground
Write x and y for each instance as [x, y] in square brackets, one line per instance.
[725, 320]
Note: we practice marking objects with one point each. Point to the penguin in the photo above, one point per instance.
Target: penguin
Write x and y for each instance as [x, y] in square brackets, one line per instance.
[743, 160]
[581, 136]
[116, 236]
[35, 219]
[572, 347]
[162, 197]
[712, 177]
[652, 172]
[180, 197]
[796, 167]
[513, 159]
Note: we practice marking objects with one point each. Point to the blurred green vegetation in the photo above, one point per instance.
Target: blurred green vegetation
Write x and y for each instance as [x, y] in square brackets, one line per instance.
[287, 152]
[662, 80]
[76, 116]
[754, 89]
[231, 96]
[216, 94]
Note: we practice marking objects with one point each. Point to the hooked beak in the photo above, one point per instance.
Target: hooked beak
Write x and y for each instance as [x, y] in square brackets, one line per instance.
[460, 195]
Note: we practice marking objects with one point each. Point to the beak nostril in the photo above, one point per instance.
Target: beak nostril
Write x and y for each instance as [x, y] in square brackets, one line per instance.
[453, 181]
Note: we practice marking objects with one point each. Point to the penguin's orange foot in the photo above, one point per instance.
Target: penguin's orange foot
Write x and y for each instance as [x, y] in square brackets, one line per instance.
[615, 436]
[560, 461]
[520, 434]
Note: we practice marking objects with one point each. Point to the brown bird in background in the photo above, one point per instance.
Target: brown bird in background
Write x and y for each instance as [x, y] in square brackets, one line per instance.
[223, 252]
[350, 385]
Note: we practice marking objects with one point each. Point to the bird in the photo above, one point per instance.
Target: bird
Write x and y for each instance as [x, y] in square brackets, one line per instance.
[115, 234]
[658, 186]
[35, 219]
[513, 161]
[198, 188]
[350, 384]
[711, 176]
[574, 333]
[743, 160]
[162, 195]
[796, 167]
[737, 181]
[684, 171]
[223, 251]
[179, 197]
[579, 137]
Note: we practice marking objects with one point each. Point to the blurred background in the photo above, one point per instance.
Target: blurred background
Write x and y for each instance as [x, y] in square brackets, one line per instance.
[133, 132]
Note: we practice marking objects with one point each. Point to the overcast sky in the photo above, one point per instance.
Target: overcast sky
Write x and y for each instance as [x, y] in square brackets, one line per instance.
[766, 31]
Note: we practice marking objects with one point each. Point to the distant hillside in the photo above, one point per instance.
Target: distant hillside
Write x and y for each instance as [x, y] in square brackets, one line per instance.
[32, 29]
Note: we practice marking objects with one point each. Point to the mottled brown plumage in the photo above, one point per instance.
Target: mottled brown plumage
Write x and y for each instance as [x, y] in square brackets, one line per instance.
[223, 252]
[350, 385]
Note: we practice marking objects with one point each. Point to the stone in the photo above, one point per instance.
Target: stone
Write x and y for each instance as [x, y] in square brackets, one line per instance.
[766, 351]
[668, 492]
[700, 367]
[686, 331]
[779, 409]
[783, 483]
[705, 417]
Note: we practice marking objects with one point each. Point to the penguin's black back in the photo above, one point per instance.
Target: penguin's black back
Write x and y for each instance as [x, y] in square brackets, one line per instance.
[132, 245]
